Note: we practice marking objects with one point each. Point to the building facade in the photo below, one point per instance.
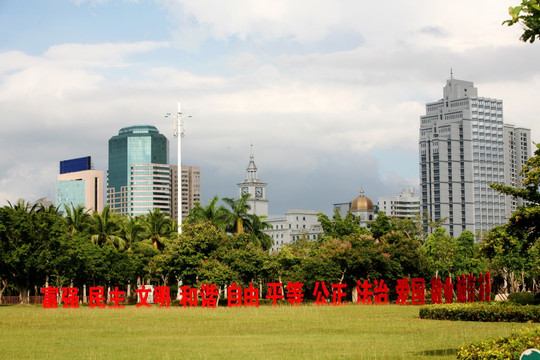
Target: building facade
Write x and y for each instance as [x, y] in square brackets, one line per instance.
[79, 185]
[296, 224]
[191, 189]
[139, 177]
[404, 205]
[462, 150]
[256, 188]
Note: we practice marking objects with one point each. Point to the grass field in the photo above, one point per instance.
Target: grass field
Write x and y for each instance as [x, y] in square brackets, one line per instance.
[306, 332]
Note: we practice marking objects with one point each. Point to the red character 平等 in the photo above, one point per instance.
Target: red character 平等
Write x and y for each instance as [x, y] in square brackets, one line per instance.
[403, 289]
[294, 293]
[70, 297]
[322, 294]
[49, 297]
[275, 292]
[97, 297]
[209, 295]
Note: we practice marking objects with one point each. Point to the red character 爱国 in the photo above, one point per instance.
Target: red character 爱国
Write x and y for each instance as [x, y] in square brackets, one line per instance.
[403, 289]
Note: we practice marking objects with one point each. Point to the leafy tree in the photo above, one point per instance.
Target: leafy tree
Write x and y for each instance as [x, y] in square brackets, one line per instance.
[441, 250]
[527, 14]
[382, 225]
[256, 228]
[339, 227]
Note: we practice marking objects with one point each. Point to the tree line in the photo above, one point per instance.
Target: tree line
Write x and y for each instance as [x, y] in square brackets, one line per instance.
[221, 244]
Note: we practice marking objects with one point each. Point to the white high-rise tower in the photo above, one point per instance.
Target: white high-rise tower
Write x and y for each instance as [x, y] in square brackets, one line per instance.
[462, 150]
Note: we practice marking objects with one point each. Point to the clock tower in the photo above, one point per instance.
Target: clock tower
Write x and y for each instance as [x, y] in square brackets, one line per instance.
[256, 188]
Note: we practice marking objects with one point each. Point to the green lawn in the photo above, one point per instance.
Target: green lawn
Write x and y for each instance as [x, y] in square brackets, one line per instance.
[306, 332]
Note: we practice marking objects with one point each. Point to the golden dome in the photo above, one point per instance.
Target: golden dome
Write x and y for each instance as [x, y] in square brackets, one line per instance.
[361, 203]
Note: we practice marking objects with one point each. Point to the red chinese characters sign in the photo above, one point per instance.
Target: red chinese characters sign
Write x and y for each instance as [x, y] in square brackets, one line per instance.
[468, 288]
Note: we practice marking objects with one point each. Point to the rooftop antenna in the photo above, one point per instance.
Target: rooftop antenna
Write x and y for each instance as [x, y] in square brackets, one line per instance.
[451, 74]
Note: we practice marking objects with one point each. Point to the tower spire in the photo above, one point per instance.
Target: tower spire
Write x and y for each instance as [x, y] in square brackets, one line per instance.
[451, 74]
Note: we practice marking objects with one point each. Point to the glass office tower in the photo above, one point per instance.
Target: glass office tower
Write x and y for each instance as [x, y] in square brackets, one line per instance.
[133, 147]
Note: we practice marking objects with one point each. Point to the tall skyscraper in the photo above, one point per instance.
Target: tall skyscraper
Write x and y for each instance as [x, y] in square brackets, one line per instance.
[139, 177]
[79, 185]
[191, 189]
[256, 188]
[462, 150]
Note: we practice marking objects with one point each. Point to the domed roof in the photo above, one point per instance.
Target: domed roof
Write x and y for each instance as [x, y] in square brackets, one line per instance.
[361, 203]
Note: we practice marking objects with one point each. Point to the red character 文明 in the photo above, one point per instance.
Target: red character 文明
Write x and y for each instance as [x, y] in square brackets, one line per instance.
[448, 291]
[70, 297]
[436, 290]
[418, 292]
[338, 294]
[116, 296]
[251, 296]
[275, 292]
[461, 289]
[142, 294]
[234, 295]
[209, 295]
[162, 296]
[294, 293]
[320, 295]
[403, 289]
[188, 296]
[381, 292]
[364, 293]
[97, 297]
[49, 297]
[471, 287]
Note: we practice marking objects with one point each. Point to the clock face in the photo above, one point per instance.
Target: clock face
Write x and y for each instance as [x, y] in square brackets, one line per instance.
[258, 191]
[244, 190]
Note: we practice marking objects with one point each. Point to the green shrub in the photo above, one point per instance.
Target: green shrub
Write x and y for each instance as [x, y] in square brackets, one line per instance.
[489, 312]
[523, 298]
[503, 348]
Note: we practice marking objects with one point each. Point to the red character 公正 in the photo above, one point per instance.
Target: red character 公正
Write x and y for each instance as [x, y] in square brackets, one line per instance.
[338, 294]
[322, 294]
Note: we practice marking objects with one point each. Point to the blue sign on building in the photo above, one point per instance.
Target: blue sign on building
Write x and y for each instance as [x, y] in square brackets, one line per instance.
[73, 165]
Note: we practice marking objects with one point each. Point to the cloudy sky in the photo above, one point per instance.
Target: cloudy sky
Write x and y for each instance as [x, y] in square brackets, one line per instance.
[328, 92]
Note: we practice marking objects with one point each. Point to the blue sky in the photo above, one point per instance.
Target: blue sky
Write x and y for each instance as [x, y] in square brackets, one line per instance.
[329, 92]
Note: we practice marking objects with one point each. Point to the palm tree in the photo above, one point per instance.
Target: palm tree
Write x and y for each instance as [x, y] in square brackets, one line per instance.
[132, 231]
[77, 218]
[105, 229]
[22, 205]
[256, 227]
[212, 213]
[237, 216]
[157, 228]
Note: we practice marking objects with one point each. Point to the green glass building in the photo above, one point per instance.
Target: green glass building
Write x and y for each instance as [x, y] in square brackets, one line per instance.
[133, 146]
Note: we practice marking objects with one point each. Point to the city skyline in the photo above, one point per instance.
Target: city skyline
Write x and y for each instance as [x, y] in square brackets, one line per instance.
[329, 94]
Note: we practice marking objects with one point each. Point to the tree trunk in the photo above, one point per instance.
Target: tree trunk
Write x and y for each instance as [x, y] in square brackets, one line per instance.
[2, 288]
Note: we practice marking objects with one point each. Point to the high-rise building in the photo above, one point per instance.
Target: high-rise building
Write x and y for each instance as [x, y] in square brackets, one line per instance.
[404, 205]
[256, 188]
[79, 185]
[191, 189]
[462, 150]
[139, 177]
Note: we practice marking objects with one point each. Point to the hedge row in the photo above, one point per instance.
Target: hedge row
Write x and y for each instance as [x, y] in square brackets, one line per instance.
[503, 348]
[490, 312]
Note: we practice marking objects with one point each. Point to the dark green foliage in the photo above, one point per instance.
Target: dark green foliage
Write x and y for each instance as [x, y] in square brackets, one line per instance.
[523, 298]
[503, 348]
[489, 312]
